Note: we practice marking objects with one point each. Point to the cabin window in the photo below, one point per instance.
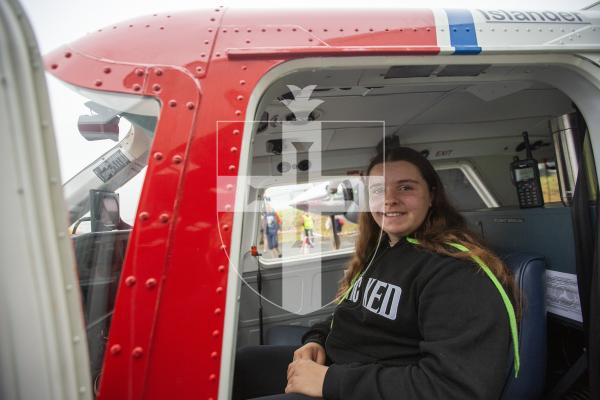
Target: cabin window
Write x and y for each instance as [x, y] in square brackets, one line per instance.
[549, 182]
[460, 191]
[294, 222]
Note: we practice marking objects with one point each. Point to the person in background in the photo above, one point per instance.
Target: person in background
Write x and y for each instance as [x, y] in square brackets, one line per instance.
[271, 227]
[339, 223]
[307, 223]
[336, 229]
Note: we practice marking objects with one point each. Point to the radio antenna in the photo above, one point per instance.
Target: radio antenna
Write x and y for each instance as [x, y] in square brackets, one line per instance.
[527, 145]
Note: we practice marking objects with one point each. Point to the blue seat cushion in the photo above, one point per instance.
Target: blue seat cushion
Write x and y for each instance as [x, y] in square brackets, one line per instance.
[529, 273]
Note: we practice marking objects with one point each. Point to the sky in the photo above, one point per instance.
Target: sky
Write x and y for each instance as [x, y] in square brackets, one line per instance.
[59, 22]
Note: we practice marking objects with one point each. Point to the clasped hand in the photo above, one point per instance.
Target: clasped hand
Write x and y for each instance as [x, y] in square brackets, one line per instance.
[306, 373]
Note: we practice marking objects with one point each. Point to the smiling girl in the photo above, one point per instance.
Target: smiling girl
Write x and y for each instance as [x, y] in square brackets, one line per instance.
[417, 319]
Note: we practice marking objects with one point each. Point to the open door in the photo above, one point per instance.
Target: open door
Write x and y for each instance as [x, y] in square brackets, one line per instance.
[43, 351]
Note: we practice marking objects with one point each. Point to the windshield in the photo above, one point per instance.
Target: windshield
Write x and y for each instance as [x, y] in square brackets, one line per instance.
[103, 142]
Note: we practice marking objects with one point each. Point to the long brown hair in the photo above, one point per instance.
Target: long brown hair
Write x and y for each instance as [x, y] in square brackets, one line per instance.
[442, 225]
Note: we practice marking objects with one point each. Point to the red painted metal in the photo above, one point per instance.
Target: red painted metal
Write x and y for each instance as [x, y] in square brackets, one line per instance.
[202, 67]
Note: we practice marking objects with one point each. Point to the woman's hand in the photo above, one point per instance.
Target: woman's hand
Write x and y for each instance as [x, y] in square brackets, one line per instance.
[312, 352]
[306, 377]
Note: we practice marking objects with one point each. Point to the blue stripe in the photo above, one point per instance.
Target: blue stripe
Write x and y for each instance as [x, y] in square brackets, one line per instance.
[462, 32]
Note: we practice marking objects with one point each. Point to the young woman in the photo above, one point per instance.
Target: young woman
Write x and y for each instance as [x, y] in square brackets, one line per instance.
[418, 318]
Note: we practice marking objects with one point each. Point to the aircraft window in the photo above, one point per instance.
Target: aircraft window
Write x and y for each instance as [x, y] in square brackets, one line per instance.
[549, 182]
[304, 219]
[460, 191]
[103, 142]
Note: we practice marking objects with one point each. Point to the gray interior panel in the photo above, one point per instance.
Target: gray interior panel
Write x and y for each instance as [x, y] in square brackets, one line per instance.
[248, 327]
[533, 230]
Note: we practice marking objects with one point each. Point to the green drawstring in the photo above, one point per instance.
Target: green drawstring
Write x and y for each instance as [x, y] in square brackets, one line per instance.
[509, 307]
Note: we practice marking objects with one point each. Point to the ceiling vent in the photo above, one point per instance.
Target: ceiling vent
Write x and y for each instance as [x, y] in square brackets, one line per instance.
[463, 70]
[410, 71]
[314, 115]
[424, 71]
[286, 96]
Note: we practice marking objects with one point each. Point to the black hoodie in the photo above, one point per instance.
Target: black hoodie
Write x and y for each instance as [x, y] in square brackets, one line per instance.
[417, 325]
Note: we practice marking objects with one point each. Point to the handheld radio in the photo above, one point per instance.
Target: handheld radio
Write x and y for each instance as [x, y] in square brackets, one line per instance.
[526, 177]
